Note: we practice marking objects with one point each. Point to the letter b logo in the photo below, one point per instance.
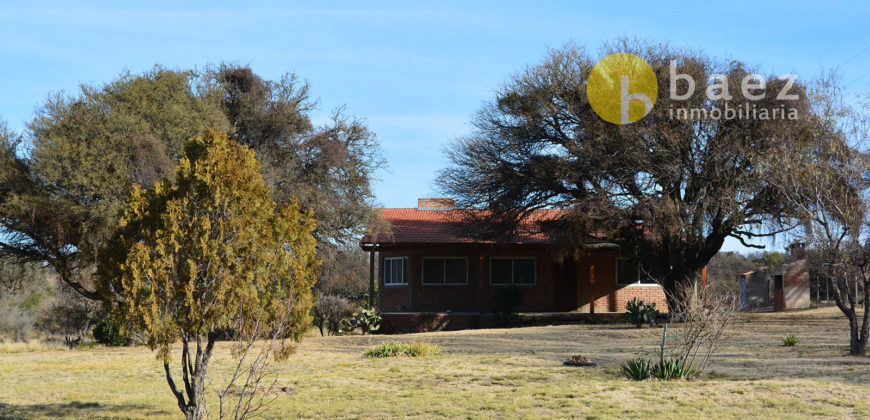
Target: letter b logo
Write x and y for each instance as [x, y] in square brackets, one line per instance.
[622, 88]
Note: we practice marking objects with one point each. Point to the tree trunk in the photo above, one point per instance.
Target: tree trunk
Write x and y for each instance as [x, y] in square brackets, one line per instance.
[854, 336]
[859, 329]
[193, 376]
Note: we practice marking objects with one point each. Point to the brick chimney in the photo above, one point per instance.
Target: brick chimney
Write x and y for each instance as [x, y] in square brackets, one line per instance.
[797, 251]
[435, 204]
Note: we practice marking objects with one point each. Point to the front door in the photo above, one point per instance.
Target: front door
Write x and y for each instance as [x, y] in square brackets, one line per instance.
[565, 286]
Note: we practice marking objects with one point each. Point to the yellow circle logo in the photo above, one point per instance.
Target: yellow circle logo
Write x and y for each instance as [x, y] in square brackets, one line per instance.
[622, 88]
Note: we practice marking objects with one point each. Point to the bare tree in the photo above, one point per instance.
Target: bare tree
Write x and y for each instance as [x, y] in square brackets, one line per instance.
[691, 183]
[830, 195]
[826, 184]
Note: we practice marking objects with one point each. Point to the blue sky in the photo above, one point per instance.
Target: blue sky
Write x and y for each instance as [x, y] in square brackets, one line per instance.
[415, 71]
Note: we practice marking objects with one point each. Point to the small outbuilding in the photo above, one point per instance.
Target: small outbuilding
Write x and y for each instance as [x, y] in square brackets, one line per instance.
[785, 286]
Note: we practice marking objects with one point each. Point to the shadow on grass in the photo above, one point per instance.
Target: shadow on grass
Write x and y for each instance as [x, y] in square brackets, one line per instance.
[77, 410]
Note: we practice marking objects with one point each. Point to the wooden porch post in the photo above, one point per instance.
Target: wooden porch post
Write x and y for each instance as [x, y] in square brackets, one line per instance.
[592, 288]
[372, 278]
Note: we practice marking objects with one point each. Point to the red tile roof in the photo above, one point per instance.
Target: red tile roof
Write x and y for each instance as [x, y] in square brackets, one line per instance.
[413, 226]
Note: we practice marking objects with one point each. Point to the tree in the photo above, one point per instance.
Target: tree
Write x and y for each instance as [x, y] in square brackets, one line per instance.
[769, 259]
[725, 268]
[206, 251]
[668, 191]
[826, 184]
[62, 186]
[63, 181]
[329, 169]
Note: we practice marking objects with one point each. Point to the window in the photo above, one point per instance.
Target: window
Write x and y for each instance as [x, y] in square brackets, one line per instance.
[445, 270]
[517, 271]
[628, 273]
[394, 271]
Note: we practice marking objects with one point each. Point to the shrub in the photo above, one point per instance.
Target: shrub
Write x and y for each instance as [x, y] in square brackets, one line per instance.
[790, 340]
[670, 369]
[24, 292]
[108, 332]
[664, 370]
[636, 369]
[640, 312]
[366, 321]
[331, 312]
[705, 316]
[399, 348]
[507, 301]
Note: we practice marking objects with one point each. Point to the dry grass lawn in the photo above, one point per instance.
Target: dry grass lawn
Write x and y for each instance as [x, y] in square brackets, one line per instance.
[510, 373]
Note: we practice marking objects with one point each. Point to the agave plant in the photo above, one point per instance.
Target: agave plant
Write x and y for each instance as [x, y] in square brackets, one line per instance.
[670, 369]
[636, 369]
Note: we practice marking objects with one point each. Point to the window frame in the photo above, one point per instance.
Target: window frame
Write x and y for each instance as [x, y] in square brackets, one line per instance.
[383, 275]
[513, 280]
[636, 283]
[423, 270]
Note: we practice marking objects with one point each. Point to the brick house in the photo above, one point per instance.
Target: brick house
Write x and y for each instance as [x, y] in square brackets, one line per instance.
[432, 271]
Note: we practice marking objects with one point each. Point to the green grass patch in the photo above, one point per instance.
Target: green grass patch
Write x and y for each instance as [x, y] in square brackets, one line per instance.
[401, 348]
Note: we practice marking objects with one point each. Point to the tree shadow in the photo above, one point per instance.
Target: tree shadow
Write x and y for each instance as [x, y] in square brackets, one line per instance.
[76, 409]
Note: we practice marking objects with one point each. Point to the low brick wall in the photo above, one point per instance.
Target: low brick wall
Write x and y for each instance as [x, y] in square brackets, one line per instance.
[411, 322]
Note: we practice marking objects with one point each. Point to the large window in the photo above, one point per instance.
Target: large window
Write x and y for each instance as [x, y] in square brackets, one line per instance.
[394, 271]
[445, 270]
[517, 271]
[628, 273]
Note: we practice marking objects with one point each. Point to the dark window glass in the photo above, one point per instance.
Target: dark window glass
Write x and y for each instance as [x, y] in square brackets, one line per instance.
[524, 271]
[501, 269]
[626, 271]
[433, 270]
[394, 271]
[388, 278]
[456, 270]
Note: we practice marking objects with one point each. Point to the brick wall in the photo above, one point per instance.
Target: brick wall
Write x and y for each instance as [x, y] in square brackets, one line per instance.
[478, 295]
[599, 292]
[393, 298]
[796, 284]
[592, 278]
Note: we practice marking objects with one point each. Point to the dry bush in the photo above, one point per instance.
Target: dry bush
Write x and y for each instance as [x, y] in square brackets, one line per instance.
[330, 312]
[704, 316]
[24, 293]
[253, 384]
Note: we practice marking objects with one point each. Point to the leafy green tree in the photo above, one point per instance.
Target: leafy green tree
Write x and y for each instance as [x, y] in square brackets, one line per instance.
[63, 181]
[207, 251]
[62, 186]
[690, 183]
[329, 169]
[770, 259]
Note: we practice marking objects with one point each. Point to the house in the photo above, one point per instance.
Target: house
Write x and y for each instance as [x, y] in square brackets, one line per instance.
[431, 270]
[785, 286]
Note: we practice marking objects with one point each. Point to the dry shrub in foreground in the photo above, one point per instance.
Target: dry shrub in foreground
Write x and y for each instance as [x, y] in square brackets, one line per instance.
[704, 315]
[253, 384]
